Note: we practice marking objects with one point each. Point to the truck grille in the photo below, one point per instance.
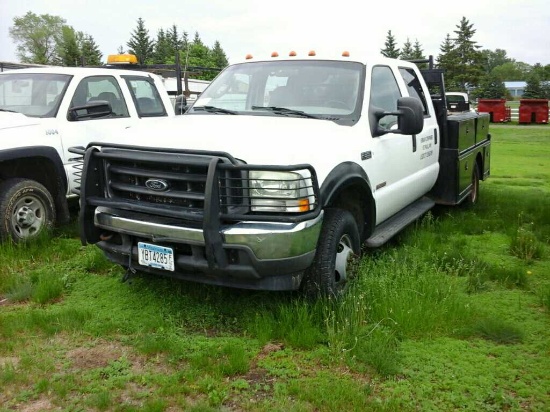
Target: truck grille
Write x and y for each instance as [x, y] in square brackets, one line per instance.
[167, 180]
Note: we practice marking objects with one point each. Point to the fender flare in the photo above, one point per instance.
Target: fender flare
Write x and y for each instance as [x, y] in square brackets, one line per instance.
[344, 175]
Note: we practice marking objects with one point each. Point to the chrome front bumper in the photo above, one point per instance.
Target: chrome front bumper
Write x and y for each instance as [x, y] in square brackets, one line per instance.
[266, 240]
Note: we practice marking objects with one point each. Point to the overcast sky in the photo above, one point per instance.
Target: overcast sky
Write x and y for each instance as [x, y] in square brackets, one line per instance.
[520, 27]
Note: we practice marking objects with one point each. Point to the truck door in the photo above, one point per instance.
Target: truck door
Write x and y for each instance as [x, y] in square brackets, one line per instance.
[396, 167]
[133, 99]
[80, 133]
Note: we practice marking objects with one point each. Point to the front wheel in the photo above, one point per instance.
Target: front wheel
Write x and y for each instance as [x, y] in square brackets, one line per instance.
[26, 209]
[337, 248]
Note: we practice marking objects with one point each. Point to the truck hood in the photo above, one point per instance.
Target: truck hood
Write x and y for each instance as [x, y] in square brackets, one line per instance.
[10, 119]
[253, 139]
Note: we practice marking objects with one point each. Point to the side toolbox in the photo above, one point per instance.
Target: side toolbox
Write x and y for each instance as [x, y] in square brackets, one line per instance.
[466, 134]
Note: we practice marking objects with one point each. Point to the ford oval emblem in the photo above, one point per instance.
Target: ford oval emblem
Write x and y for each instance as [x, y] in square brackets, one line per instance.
[158, 185]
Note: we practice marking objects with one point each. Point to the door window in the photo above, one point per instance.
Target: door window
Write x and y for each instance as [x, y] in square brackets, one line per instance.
[101, 88]
[384, 94]
[146, 96]
[414, 86]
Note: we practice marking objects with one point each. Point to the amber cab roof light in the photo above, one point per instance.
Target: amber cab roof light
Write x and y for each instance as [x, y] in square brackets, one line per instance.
[292, 53]
[122, 59]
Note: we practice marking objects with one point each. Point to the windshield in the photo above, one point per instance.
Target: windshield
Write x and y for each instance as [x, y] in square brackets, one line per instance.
[33, 94]
[301, 88]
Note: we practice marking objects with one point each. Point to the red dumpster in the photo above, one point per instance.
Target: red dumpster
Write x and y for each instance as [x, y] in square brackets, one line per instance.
[533, 111]
[497, 109]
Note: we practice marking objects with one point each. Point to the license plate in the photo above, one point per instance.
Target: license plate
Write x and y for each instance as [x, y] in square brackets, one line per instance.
[158, 257]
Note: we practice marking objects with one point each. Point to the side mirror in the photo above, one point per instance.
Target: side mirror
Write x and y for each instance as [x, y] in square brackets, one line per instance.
[93, 110]
[410, 117]
[180, 105]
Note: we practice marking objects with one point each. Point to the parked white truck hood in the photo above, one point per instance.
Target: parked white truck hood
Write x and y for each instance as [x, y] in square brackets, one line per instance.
[11, 119]
[255, 140]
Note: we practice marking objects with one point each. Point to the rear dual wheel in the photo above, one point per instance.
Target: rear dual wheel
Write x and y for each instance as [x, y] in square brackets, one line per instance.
[337, 250]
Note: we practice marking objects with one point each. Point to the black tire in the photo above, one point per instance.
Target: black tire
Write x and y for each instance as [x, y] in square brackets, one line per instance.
[338, 247]
[474, 193]
[26, 209]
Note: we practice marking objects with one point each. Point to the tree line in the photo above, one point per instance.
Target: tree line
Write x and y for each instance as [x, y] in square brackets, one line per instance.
[47, 39]
[469, 68]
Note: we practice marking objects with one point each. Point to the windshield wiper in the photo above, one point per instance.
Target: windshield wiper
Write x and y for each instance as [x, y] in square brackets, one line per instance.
[285, 111]
[6, 110]
[214, 109]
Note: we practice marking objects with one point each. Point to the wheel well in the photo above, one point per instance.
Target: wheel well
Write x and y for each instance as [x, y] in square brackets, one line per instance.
[359, 202]
[42, 170]
[479, 162]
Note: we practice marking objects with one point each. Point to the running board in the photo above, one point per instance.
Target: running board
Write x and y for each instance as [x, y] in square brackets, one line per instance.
[399, 221]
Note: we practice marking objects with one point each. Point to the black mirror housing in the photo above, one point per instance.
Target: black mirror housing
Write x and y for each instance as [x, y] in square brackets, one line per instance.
[410, 118]
[93, 110]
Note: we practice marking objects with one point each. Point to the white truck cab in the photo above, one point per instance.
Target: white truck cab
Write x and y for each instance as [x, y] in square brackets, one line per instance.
[45, 111]
[295, 163]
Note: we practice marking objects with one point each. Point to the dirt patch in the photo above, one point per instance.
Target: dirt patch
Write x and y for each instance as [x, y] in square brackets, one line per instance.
[104, 353]
[9, 361]
[97, 356]
[40, 405]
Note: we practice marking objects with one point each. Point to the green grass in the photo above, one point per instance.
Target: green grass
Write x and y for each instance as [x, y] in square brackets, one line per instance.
[453, 314]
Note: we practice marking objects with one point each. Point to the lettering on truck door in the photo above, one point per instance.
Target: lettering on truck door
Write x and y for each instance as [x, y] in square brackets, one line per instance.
[426, 143]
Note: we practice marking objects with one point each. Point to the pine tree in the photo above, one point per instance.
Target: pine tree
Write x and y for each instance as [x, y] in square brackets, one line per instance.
[446, 60]
[177, 42]
[391, 49]
[218, 57]
[140, 44]
[418, 52]
[163, 49]
[533, 88]
[198, 53]
[470, 67]
[407, 51]
[90, 51]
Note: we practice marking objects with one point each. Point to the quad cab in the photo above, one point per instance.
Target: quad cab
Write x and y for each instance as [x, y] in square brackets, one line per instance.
[293, 164]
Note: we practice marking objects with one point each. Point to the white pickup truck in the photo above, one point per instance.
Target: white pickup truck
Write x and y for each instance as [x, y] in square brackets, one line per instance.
[43, 112]
[295, 162]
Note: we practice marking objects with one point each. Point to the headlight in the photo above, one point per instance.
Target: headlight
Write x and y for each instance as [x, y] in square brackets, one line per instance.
[289, 192]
